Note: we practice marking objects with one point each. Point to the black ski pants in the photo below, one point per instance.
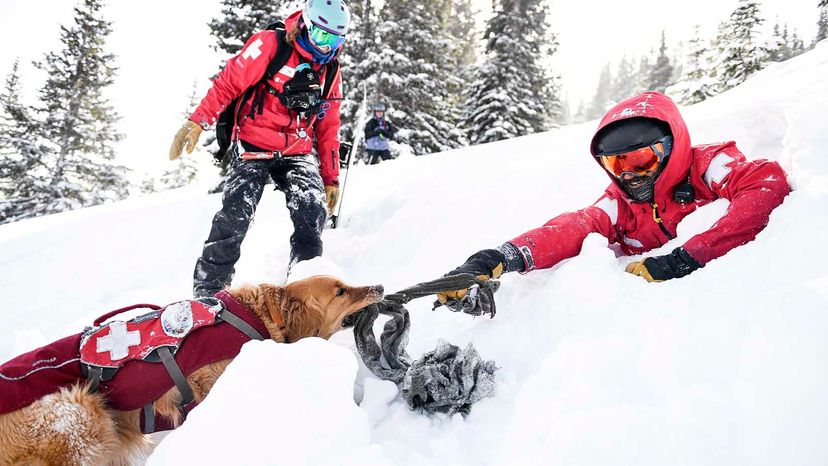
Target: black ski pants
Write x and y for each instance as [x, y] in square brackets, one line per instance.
[374, 156]
[298, 178]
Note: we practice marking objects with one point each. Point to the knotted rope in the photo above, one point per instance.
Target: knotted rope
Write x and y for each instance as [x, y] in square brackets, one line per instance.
[444, 380]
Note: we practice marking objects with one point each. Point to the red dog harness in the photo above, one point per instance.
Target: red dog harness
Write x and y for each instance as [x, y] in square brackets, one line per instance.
[134, 362]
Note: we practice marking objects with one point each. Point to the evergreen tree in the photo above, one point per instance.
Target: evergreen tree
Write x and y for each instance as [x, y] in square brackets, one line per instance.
[822, 24]
[661, 74]
[79, 123]
[741, 55]
[513, 95]
[417, 78]
[823, 3]
[625, 82]
[696, 84]
[603, 95]
[779, 47]
[22, 172]
[642, 77]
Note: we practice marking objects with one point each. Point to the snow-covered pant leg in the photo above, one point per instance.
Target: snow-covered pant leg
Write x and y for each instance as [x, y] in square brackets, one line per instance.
[242, 191]
[298, 178]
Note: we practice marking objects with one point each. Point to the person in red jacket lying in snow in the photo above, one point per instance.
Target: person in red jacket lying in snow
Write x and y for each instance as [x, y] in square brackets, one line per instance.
[657, 179]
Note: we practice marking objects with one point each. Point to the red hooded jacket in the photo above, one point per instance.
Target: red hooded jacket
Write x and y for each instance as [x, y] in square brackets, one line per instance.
[276, 129]
[754, 188]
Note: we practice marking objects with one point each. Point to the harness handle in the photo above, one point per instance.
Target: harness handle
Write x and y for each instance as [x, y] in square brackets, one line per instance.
[114, 313]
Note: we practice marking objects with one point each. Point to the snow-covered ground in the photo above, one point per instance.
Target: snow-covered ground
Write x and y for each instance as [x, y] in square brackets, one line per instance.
[726, 366]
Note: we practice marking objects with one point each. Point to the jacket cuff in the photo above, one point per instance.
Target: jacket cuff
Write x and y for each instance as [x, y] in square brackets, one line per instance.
[517, 259]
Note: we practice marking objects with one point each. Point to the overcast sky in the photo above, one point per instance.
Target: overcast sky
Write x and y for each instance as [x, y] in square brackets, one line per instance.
[164, 46]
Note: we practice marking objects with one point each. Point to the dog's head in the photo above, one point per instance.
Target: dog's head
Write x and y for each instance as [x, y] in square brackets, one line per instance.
[316, 306]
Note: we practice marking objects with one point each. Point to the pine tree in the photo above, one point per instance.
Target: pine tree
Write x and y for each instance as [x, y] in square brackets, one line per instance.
[741, 55]
[822, 24]
[661, 74]
[696, 84]
[797, 44]
[603, 95]
[778, 46]
[416, 79]
[513, 95]
[643, 75]
[79, 123]
[23, 175]
[625, 82]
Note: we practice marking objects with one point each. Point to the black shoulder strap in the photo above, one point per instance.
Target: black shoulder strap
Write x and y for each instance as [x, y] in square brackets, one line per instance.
[283, 53]
[330, 76]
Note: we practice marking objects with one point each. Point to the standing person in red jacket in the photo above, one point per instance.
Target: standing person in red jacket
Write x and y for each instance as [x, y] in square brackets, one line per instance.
[276, 135]
[657, 179]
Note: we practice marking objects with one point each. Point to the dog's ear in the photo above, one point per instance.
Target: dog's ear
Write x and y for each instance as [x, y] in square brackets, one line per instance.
[271, 296]
[302, 319]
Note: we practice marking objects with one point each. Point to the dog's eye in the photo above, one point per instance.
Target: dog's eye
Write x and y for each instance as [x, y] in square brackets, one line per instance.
[340, 291]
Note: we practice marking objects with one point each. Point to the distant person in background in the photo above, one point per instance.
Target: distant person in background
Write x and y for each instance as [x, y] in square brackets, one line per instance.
[378, 132]
[277, 128]
[657, 179]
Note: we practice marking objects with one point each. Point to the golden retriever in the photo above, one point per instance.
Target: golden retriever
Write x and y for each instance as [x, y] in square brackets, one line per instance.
[75, 427]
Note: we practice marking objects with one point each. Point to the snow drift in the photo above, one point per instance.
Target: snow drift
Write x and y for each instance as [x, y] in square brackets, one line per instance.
[725, 366]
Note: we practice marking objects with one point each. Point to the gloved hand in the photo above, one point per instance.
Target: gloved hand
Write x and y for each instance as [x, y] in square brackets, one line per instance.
[189, 134]
[677, 264]
[331, 196]
[485, 265]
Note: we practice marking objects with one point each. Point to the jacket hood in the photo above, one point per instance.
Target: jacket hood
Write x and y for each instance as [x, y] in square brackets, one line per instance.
[660, 107]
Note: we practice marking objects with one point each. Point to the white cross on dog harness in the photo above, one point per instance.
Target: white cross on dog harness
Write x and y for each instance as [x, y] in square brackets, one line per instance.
[118, 341]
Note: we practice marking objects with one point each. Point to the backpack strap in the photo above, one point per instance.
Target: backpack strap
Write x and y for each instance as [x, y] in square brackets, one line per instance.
[331, 68]
[283, 53]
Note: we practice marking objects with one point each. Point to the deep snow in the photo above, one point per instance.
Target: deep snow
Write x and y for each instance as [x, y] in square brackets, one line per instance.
[726, 366]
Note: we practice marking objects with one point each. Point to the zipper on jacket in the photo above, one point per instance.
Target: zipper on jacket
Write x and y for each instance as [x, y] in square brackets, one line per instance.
[657, 219]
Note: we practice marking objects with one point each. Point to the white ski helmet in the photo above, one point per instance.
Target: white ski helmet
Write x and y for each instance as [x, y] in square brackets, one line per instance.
[330, 15]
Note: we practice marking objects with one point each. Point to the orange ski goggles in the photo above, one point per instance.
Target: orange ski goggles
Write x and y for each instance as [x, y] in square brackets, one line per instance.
[639, 161]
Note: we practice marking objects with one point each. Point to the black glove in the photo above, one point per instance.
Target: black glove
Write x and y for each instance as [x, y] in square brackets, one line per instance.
[344, 152]
[677, 264]
[485, 264]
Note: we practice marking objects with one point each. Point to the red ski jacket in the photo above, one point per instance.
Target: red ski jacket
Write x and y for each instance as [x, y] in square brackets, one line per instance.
[31, 376]
[754, 188]
[277, 128]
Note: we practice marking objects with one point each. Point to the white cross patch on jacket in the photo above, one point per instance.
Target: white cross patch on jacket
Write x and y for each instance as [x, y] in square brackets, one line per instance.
[118, 341]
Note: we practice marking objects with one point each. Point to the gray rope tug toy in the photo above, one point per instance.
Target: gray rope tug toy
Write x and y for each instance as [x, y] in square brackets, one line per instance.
[447, 379]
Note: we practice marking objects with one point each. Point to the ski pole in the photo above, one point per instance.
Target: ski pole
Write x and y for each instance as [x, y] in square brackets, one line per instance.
[354, 145]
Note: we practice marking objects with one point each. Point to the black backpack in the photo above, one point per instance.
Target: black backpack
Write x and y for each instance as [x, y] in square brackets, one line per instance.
[227, 120]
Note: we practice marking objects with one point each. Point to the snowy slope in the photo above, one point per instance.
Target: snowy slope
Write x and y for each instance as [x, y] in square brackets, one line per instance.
[726, 366]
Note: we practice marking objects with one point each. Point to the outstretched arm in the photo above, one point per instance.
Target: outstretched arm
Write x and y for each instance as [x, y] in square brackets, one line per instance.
[562, 237]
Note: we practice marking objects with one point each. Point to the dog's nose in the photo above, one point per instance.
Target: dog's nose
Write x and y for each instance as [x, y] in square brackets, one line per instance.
[378, 290]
